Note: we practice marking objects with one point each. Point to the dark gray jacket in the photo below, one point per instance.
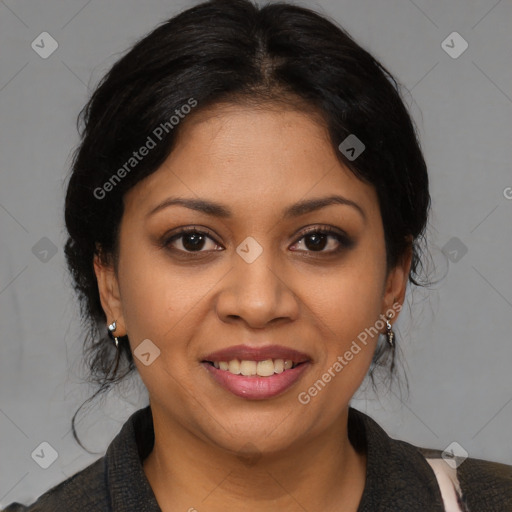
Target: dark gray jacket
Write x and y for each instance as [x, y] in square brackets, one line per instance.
[398, 477]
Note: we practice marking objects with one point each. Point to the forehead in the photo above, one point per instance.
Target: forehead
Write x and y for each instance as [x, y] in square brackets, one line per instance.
[251, 158]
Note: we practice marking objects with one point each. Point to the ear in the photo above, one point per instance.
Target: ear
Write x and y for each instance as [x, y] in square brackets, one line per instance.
[396, 281]
[110, 298]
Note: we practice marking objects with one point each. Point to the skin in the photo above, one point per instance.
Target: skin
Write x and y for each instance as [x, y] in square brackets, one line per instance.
[257, 162]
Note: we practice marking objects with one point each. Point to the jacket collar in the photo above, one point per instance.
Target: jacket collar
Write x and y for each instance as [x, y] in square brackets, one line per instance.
[129, 488]
[398, 477]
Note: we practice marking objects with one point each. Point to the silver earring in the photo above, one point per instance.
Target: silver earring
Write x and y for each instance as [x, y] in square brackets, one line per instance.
[112, 327]
[390, 335]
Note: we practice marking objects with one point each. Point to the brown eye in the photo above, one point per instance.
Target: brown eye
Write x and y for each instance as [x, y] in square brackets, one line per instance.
[191, 240]
[324, 240]
[316, 241]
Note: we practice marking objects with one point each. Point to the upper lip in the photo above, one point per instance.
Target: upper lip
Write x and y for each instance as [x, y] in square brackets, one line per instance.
[248, 353]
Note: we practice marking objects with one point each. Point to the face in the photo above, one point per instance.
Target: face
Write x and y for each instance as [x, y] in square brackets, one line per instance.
[306, 279]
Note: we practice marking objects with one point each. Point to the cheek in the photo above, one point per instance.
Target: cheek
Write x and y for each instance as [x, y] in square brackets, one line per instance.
[345, 311]
[346, 308]
[353, 297]
[156, 297]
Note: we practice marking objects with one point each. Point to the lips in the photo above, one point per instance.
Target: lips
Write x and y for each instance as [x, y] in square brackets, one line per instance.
[281, 368]
[248, 353]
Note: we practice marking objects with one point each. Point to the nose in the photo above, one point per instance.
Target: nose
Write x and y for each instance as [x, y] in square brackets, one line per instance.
[257, 293]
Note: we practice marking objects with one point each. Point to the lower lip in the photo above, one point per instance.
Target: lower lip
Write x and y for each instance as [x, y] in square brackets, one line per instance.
[257, 388]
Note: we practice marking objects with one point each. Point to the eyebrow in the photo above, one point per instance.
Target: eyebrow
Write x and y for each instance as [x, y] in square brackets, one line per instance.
[219, 210]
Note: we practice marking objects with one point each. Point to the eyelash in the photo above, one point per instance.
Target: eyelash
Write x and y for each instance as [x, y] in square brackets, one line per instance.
[343, 239]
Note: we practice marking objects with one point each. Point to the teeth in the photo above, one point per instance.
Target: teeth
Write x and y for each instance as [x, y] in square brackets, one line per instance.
[234, 366]
[248, 368]
[265, 368]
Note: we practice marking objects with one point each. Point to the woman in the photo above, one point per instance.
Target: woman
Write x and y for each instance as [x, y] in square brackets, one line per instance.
[244, 216]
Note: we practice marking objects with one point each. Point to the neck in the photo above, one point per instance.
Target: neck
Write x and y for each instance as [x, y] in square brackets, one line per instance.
[321, 473]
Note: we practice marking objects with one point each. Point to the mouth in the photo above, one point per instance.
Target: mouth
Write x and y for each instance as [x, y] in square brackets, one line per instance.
[256, 373]
[263, 361]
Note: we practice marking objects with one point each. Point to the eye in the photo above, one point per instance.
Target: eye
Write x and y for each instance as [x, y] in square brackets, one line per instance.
[191, 240]
[320, 238]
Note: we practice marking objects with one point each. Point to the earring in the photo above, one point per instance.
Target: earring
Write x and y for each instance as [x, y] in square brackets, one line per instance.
[390, 334]
[112, 327]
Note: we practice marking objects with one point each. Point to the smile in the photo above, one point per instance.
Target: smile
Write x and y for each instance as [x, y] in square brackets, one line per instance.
[254, 386]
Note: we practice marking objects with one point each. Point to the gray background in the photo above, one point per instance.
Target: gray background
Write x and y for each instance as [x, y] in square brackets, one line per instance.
[456, 337]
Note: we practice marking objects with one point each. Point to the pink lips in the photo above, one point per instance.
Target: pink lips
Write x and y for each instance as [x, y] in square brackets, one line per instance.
[255, 387]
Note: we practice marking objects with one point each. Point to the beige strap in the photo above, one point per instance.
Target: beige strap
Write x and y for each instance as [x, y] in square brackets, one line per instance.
[448, 484]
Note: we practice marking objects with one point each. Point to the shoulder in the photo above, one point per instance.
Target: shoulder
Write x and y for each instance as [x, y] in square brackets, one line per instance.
[485, 485]
[398, 470]
[85, 490]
